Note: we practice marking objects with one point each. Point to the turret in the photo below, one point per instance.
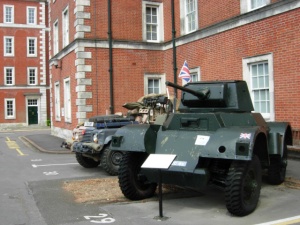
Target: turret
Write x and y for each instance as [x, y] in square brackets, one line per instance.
[214, 96]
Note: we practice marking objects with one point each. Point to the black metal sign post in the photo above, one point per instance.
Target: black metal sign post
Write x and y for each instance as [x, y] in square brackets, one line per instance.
[160, 194]
[160, 162]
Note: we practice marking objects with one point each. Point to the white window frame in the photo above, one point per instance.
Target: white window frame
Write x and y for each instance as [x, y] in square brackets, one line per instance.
[245, 5]
[67, 99]
[65, 27]
[55, 37]
[28, 14]
[184, 28]
[12, 76]
[12, 53]
[28, 47]
[162, 81]
[160, 20]
[12, 13]
[29, 75]
[247, 62]
[13, 116]
[57, 101]
[32, 102]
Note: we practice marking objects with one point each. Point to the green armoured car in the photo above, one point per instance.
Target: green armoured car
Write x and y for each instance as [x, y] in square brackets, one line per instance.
[216, 139]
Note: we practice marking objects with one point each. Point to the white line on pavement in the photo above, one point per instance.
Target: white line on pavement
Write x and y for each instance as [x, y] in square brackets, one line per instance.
[291, 220]
[35, 166]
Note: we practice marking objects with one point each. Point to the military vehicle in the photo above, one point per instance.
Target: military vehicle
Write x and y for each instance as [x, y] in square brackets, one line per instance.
[217, 140]
[91, 141]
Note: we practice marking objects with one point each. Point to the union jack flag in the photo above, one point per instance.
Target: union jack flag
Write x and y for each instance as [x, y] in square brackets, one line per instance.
[245, 136]
[185, 72]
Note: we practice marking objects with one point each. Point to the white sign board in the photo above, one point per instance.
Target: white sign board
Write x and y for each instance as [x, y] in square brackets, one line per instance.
[202, 140]
[88, 124]
[158, 161]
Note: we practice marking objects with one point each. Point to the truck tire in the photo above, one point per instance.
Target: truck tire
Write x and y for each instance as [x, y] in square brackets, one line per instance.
[278, 164]
[242, 186]
[110, 161]
[134, 185]
[85, 161]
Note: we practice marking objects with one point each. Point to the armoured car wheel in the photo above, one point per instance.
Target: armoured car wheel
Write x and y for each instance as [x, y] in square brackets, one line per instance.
[133, 184]
[278, 164]
[242, 186]
[86, 162]
[110, 161]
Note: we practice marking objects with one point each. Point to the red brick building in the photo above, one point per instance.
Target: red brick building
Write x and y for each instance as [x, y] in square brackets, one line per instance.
[106, 53]
[24, 83]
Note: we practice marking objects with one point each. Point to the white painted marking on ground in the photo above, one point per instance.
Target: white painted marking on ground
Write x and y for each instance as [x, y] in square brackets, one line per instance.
[63, 164]
[36, 160]
[50, 173]
[102, 218]
[290, 220]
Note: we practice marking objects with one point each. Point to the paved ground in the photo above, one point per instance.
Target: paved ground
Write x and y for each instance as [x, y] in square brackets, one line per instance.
[206, 207]
[46, 143]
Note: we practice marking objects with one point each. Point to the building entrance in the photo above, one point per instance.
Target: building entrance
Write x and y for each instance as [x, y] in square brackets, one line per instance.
[32, 111]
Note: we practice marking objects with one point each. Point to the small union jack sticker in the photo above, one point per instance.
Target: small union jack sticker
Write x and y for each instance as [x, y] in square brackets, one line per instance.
[245, 136]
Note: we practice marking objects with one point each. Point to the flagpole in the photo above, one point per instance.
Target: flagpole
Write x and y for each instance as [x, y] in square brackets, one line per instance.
[174, 53]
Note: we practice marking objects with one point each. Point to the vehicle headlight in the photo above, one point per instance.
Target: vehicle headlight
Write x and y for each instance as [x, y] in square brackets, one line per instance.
[95, 138]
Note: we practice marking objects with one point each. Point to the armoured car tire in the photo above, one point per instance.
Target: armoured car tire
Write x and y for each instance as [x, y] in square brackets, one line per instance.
[110, 161]
[85, 161]
[133, 185]
[242, 186]
[277, 169]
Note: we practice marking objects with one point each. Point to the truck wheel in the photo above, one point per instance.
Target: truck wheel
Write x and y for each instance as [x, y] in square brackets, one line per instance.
[110, 161]
[277, 169]
[133, 184]
[242, 186]
[85, 161]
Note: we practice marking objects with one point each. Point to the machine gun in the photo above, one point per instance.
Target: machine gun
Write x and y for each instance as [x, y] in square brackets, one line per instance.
[149, 107]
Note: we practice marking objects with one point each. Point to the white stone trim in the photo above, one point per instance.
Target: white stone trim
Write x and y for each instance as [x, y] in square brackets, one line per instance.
[81, 54]
[43, 107]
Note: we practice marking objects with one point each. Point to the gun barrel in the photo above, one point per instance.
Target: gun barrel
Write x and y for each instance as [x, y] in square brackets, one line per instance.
[196, 93]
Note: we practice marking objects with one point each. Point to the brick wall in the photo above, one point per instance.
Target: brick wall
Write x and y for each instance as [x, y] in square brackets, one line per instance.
[218, 55]
[211, 12]
[20, 104]
[20, 30]
[56, 14]
[67, 70]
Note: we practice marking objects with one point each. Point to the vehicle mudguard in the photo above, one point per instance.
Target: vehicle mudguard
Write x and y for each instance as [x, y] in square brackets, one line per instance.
[106, 135]
[135, 137]
[235, 143]
[280, 134]
[232, 143]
